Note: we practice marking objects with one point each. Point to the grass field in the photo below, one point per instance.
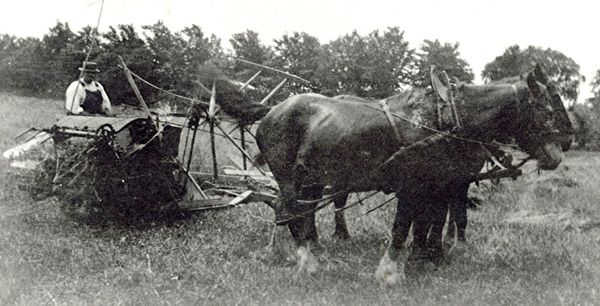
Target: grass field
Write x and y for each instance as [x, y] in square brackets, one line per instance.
[534, 241]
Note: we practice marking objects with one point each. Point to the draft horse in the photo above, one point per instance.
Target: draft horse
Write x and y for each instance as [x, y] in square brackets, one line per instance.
[457, 220]
[311, 141]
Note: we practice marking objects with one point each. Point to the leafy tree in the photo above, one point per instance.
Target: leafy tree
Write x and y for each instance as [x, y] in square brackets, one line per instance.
[167, 56]
[391, 61]
[587, 126]
[8, 51]
[125, 41]
[18, 71]
[585, 117]
[57, 40]
[595, 84]
[346, 58]
[248, 46]
[198, 50]
[445, 57]
[299, 54]
[40, 63]
[372, 66]
[559, 67]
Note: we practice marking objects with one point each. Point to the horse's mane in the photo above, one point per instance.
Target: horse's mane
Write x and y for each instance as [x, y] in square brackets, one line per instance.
[413, 96]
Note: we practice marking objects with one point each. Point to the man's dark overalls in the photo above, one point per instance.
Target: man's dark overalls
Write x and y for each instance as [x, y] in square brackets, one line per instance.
[92, 102]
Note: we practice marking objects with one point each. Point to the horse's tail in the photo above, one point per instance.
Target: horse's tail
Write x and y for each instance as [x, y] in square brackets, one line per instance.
[237, 104]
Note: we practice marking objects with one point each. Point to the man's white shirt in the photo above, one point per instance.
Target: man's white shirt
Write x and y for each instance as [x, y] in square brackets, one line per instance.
[75, 96]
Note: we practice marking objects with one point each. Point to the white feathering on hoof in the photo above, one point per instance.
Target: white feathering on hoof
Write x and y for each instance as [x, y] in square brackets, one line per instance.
[387, 271]
[306, 262]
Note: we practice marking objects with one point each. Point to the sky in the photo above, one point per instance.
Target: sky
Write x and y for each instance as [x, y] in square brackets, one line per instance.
[484, 28]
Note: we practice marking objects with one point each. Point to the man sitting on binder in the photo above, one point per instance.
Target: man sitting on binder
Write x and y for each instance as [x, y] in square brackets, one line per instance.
[86, 96]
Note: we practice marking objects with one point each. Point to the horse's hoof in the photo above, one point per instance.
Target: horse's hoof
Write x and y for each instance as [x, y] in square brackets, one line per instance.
[417, 268]
[307, 262]
[387, 272]
[423, 261]
[440, 260]
[459, 247]
[448, 243]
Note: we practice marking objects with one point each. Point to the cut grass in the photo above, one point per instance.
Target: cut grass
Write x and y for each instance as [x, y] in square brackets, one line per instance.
[217, 257]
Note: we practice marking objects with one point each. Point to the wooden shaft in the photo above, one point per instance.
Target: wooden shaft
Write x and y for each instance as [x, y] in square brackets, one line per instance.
[196, 185]
[136, 90]
[273, 69]
[250, 80]
[273, 92]
[212, 104]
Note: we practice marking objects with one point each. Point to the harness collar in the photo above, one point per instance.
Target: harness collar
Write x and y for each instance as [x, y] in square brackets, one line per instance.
[445, 98]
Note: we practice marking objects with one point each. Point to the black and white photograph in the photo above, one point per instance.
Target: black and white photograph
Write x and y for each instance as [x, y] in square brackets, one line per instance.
[268, 152]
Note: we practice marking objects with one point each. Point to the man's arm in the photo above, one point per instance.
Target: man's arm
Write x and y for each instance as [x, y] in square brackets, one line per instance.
[105, 100]
[73, 98]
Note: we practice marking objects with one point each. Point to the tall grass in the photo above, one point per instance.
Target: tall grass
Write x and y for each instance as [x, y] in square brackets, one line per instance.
[217, 257]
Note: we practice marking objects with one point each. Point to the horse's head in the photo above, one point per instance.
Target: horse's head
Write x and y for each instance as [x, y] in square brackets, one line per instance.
[542, 121]
[563, 122]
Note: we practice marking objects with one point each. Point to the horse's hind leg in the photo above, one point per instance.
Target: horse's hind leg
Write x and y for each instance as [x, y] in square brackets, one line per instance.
[341, 229]
[278, 245]
[301, 220]
[311, 192]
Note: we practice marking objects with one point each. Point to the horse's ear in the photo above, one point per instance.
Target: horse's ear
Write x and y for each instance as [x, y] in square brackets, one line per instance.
[540, 75]
[533, 85]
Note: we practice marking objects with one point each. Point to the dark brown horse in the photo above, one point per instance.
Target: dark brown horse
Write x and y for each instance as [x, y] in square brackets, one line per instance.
[457, 219]
[311, 141]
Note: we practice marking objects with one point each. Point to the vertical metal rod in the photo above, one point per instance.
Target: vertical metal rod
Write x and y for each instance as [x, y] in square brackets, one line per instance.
[189, 162]
[187, 139]
[243, 143]
[213, 150]
[239, 148]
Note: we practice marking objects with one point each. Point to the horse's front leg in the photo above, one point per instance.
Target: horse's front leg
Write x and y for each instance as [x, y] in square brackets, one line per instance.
[457, 219]
[388, 271]
[436, 218]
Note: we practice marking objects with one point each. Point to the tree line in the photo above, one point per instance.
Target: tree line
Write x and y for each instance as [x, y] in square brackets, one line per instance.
[375, 65]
